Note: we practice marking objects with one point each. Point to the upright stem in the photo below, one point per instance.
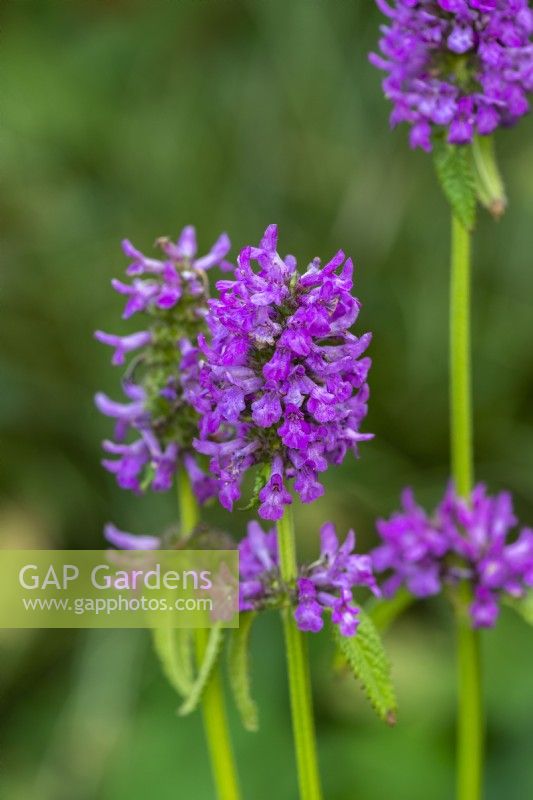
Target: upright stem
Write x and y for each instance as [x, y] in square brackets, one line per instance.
[460, 367]
[298, 672]
[470, 718]
[470, 712]
[213, 705]
[189, 511]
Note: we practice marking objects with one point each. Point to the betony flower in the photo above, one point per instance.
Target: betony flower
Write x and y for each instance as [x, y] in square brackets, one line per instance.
[163, 375]
[283, 385]
[460, 66]
[326, 584]
[463, 540]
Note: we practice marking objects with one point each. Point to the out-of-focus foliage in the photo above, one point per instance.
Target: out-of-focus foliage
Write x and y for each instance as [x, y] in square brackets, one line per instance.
[132, 119]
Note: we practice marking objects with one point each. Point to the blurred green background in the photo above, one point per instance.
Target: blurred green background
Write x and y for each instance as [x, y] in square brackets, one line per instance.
[134, 119]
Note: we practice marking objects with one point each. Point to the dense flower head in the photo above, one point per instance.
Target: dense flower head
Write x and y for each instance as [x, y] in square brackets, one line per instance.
[463, 66]
[172, 295]
[326, 584]
[463, 540]
[284, 383]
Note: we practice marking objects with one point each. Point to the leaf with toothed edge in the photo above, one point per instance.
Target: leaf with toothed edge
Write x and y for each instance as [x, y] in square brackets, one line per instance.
[239, 671]
[453, 164]
[366, 656]
[210, 658]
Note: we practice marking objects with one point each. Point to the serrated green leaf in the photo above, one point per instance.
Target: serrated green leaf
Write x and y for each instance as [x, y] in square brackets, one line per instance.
[456, 176]
[366, 656]
[209, 660]
[239, 671]
[174, 650]
[384, 612]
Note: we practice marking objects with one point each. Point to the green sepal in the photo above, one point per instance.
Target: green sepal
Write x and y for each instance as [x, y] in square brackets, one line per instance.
[239, 671]
[369, 663]
[261, 479]
[147, 478]
[455, 171]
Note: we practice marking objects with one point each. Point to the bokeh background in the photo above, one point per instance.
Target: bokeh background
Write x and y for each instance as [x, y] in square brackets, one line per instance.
[133, 119]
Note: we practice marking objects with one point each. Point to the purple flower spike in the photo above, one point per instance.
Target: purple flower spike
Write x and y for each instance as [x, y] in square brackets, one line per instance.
[164, 375]
[284, 381]
[463, 540]
[462, 66]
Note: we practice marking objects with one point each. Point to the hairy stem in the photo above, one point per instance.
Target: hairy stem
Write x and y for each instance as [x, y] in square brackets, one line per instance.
[298, 672]
[213, 705]
[460, 366]
[470, 712]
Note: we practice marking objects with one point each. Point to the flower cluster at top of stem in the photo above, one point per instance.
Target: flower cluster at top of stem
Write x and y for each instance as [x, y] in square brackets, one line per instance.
[172, 294]
[463, 540]
[326, 584]
[462, 66]
[283, 384]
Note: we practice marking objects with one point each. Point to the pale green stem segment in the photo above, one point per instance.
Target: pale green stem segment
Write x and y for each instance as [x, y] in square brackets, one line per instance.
[213, 705]
[470, 712]
[298, 672]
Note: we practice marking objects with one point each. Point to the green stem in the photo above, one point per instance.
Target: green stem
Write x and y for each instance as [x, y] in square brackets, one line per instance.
[298, 672]
[213, 705]
[470, 720]
[460, 367]
[470, 714]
